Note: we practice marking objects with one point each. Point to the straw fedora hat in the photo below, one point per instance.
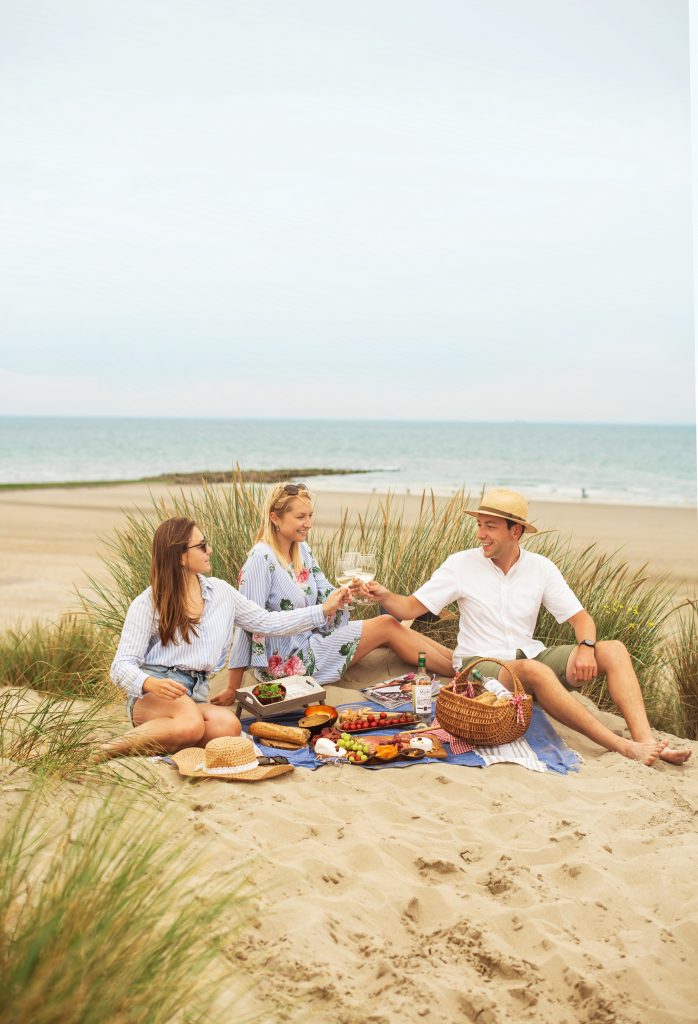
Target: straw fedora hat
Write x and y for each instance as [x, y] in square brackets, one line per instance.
[228, 757]
[505, 505]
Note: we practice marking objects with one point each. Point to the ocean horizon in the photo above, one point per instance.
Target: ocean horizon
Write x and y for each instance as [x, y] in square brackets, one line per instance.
[607, 463]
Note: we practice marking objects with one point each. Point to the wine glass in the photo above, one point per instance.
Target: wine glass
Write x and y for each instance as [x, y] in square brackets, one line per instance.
[347, 568]
[355, 565]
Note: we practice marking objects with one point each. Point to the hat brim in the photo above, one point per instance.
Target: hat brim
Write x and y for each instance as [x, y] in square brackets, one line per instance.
[189, 759]
[528, 527]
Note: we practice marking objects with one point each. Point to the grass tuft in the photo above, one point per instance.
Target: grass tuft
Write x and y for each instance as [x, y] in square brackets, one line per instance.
[54, 739]
[103, 920]
[682, 659]
[70, 658]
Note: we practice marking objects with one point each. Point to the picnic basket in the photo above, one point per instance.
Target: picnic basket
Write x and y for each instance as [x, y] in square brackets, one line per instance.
[486, 725]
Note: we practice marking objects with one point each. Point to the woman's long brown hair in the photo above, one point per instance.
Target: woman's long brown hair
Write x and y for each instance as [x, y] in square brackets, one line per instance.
[168, 580]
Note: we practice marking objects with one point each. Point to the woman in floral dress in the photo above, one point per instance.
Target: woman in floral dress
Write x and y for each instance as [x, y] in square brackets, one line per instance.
[281, 574]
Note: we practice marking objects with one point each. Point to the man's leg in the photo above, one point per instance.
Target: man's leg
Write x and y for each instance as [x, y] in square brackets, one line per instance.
[542, 682]
[614, 662]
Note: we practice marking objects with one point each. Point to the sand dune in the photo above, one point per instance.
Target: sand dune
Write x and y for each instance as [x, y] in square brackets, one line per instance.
[434, 893]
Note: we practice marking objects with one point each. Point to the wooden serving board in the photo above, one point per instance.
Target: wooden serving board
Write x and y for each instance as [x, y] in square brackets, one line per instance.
[374, 740]
[391, 721]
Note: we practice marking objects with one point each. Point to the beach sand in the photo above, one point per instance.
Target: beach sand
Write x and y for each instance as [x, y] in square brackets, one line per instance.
[433, 893]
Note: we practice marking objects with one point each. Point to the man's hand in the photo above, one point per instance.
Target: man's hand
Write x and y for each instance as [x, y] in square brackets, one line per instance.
[583, 664]
[376, 591]
[337, 600]
[169, 689]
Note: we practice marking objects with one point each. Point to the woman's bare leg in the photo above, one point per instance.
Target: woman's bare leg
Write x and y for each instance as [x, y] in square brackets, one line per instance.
[218, 722]
[385, 631]
[161, 725]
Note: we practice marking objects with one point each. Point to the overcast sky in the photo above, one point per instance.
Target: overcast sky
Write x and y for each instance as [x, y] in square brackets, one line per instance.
[456, 210]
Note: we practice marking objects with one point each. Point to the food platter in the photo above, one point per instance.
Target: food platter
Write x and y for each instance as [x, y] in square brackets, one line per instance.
[375, 749]
[362, 720]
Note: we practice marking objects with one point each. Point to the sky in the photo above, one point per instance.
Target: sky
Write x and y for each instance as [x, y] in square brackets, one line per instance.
[448, 210]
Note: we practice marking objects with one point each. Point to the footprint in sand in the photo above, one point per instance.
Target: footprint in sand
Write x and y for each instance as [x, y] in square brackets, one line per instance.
[437, 867]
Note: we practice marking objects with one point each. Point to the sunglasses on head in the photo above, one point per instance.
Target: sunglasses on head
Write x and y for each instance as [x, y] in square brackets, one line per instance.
[294, 488]
[203, 544]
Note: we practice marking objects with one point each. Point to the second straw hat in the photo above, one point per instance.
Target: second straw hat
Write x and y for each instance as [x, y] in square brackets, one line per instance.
[505, 504]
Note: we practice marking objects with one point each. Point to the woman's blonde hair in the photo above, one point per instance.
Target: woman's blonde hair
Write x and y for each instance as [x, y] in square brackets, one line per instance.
[278, 501]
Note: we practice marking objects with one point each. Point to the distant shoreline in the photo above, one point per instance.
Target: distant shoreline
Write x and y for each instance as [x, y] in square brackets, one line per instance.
[206, 476]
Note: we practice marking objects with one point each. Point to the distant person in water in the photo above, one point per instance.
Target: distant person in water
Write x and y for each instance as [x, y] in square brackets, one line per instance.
[500, 588]
[281, 572]
[177, 633]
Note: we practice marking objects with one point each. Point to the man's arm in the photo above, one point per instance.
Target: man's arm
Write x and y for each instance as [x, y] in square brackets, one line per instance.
[396, 604]
[582, 663]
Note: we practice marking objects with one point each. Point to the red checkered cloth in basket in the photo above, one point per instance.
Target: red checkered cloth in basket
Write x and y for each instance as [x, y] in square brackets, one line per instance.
[457, 745]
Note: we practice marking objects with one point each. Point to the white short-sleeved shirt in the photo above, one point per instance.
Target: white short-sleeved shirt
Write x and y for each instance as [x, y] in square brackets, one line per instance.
[498, 611]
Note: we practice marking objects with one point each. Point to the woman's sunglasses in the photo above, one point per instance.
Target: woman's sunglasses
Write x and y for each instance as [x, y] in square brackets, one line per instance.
[294, 488]
[203, 544]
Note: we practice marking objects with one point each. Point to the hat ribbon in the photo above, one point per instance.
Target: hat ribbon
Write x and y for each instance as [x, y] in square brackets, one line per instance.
[237, 770]
[503, 514]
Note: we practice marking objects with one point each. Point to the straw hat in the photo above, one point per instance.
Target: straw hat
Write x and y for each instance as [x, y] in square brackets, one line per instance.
[228, 757]
[505, 505]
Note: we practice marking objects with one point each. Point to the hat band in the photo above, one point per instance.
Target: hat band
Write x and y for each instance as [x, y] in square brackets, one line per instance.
[238, 770]
[504, 515]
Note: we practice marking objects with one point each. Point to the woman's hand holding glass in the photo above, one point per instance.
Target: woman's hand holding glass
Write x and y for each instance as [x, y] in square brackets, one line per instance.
[337, 600]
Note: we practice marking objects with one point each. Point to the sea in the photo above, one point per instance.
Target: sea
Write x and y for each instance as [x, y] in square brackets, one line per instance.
[606, 463]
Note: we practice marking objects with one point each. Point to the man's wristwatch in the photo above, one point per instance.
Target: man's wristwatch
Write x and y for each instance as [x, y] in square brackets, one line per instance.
[587, 643]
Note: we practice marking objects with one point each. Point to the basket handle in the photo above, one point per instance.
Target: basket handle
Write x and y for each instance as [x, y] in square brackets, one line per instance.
[462, 676]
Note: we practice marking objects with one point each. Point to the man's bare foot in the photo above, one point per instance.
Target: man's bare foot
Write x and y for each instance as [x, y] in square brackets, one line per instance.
[672, 756]
[647, 753]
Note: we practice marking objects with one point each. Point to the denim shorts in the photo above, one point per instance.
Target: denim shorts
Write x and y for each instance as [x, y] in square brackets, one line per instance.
[195, 682]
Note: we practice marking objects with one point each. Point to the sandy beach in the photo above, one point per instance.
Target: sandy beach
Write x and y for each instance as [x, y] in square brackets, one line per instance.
[434, 893]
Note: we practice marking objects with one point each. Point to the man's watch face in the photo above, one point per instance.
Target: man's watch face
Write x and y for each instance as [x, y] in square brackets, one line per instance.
[589, 643]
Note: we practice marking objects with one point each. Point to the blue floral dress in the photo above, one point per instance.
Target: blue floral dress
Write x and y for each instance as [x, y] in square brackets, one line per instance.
[324, 652]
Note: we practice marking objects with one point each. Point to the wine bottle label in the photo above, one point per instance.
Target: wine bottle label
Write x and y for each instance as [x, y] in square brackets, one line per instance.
[421, 698]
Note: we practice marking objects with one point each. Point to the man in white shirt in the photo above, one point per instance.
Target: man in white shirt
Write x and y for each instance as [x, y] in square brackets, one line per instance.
[500, 588]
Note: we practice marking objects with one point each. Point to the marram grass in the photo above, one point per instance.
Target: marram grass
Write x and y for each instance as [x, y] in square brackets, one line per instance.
[70, 658]
[54, 739]
[102, 920]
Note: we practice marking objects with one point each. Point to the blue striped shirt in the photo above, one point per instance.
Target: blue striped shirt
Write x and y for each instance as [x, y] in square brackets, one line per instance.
[140, 644]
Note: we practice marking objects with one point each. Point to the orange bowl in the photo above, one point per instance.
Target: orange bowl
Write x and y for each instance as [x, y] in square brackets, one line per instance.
[326, 716]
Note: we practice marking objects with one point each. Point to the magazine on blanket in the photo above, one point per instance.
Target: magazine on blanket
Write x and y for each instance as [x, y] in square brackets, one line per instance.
[397, 691]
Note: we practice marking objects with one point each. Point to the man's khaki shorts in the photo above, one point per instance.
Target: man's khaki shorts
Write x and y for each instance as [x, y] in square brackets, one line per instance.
[555, 658]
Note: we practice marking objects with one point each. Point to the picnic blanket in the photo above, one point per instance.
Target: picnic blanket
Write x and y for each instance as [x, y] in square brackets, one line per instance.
[539, 750]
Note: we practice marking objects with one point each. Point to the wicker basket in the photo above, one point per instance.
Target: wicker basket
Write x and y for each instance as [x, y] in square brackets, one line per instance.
[483, 725]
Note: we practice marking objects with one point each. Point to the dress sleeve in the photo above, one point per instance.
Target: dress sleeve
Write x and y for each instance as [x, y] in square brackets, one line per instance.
[136, 638]
[324, 589]
[255, 585]
[441, 589]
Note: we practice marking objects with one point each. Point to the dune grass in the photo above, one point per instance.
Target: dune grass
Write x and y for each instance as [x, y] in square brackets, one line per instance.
[102, 919]
[54, 739]
[682, 657]
[626, 604]
[70, 658]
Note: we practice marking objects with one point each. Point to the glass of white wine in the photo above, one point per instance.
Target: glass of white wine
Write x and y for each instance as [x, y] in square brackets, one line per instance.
[355, 565]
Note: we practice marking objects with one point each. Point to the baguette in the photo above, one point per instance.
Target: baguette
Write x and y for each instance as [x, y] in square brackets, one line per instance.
[281, 744]
[286, 733]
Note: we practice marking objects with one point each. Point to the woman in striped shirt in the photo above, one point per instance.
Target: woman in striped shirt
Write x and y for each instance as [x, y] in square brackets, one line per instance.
[177, 633]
